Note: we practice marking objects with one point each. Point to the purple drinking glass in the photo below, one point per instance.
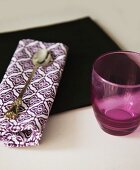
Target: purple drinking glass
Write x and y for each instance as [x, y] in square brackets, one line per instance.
[116, 92]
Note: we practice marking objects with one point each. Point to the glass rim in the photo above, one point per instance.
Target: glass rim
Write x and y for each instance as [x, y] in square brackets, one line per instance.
[109, 82]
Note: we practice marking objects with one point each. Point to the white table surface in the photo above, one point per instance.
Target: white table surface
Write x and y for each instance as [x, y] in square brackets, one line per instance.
[73, 140]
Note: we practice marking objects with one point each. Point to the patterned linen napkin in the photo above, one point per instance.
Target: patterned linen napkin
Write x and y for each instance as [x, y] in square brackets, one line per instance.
[27, 128]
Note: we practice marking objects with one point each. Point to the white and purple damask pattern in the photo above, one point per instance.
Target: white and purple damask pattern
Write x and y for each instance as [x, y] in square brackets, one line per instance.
[27, 129]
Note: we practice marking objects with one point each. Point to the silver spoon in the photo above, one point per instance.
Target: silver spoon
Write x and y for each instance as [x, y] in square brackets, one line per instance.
[41, 58]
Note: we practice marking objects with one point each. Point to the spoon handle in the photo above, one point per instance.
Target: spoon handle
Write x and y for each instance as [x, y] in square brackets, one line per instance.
[28, 82]
[13, 111]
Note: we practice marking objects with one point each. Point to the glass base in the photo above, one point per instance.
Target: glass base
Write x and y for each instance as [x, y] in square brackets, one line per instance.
[117, 124]
[117, 132]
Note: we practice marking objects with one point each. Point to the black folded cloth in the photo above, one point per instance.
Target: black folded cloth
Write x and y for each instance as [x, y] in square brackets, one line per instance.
[86, 41]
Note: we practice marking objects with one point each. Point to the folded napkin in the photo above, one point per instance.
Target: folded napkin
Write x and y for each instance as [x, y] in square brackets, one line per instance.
[27, 128]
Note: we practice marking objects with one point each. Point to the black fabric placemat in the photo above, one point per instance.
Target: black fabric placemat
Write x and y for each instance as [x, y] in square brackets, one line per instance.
[86, 41]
